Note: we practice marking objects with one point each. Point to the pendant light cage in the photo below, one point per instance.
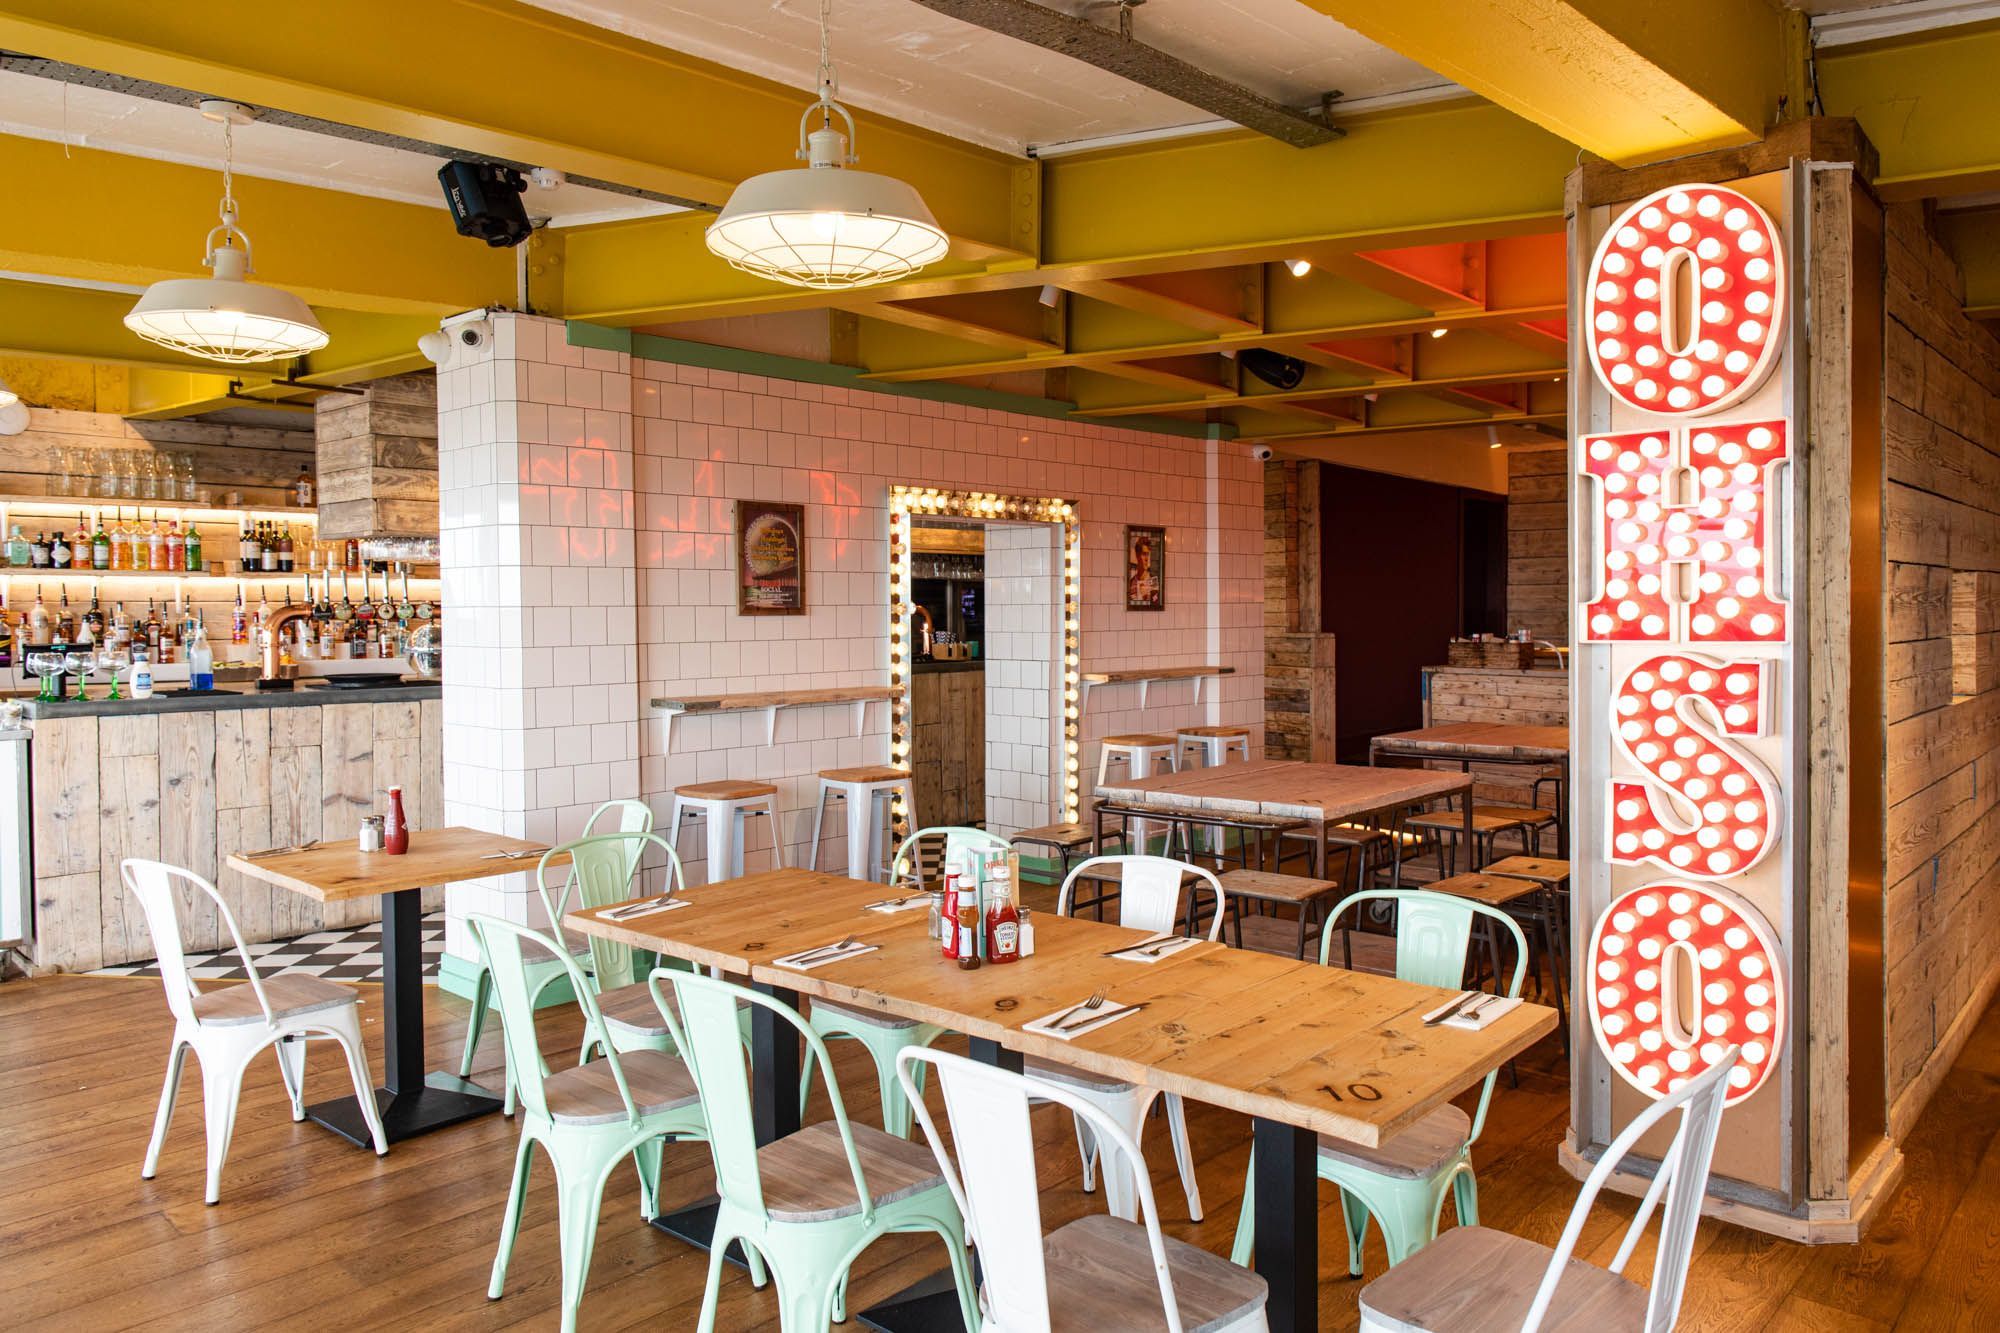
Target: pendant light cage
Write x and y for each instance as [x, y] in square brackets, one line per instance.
[225, 317]
[827, 226]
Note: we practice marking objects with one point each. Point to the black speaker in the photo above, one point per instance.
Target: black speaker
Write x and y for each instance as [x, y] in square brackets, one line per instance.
[1274, 368]
[485, 201]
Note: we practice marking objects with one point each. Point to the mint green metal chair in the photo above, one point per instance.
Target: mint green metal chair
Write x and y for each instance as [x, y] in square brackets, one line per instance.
[631, 817]
[886, 1035]
[811, 1202]
[586, 1118]
[1403, 1183]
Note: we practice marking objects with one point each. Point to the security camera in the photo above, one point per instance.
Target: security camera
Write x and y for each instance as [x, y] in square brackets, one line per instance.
[472, 336]
[1261, 452]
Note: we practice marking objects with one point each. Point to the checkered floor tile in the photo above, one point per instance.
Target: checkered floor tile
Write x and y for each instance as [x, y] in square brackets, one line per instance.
[338, 955]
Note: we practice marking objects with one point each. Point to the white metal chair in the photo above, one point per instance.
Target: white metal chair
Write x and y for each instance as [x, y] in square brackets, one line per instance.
[226, 1027]
[1471, 1277]
[1095, 1264]
[1149, 896]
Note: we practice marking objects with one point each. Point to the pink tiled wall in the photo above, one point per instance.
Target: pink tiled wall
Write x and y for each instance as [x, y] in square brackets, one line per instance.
[588, 511]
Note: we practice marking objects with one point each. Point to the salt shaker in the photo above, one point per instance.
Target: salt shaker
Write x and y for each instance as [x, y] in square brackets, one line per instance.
[371, 833]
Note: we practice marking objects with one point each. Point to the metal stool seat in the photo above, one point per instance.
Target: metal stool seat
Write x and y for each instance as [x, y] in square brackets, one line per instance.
[725, 809]
[870, 792]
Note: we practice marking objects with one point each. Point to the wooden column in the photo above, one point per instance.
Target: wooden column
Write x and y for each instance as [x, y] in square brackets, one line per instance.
[1298, 659]
[378, 465]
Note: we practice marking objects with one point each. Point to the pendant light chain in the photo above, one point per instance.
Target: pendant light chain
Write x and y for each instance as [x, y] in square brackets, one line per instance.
[827, 87]
[229, 175]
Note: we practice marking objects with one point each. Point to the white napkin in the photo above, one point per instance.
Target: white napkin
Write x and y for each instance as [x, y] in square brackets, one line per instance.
[791, 960]
[889, 906]
[1152, 951]
[1488, 1012]
[1046, 1024]
[636, 911]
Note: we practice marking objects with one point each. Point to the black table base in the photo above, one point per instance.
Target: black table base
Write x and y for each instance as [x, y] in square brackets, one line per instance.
[444, 1099]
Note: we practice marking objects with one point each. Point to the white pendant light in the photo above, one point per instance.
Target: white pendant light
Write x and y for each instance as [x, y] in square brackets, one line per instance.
[13, 412]
[226, 317]
[826, 225]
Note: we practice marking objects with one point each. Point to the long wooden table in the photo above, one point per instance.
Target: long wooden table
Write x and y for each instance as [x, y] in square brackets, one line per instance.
[411, 1102]
[1469, 743]
[1302, 1049]
[1321, 794]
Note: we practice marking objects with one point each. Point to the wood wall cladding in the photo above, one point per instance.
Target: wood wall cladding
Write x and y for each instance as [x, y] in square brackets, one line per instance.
[948, 746]
[1298, 659]
[1512, 698]
[261, 464]
[187, 788]
[1942, 546]
[1538, 543]
[378, 459]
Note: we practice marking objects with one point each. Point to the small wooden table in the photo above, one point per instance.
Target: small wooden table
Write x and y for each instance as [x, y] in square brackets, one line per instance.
[1469, 743]
[410, 1101]
[1320, 794]
[1302, 1049]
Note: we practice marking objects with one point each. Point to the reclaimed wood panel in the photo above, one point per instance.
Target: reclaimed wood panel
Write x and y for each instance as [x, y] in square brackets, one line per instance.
[129, 825]
[347, 763]
[187, 817]
[63, 814]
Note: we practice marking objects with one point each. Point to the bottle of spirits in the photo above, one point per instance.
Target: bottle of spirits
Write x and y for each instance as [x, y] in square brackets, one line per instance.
[246, 545]
[287, 553]
[93, 619]
[121, 631]
[65, 622]
[59, 552]
[156, 545]
[17, 549]
[79, 542]
[152, 629]
[38, 552]
[40, 628]
[263, 613]
[352, 561]
[302, 489]
[176, 545]
[100, 545]
[191, 552]
[201, 659]
[267, 551]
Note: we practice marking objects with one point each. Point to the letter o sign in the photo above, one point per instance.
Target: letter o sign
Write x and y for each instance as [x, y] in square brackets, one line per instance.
[1679, 973]
[1686, 301]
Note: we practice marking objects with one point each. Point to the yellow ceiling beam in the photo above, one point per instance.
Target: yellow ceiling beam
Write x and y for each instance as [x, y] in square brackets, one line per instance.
[510, 81]
[1973, 237]
[1927, 104]
[1014, 322]
[105, 217]
[1629, 80]
[1210, 300]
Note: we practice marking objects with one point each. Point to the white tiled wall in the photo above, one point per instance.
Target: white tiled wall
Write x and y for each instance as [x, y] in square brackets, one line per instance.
[588, 506]
[1023, 634]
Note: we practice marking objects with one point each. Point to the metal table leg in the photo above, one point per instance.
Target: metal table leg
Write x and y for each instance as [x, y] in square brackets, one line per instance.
[1287, 1203]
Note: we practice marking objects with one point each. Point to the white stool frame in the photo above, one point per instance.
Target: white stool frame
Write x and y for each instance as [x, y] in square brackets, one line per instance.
[1138, 761]
[724, 820]
[866, 846]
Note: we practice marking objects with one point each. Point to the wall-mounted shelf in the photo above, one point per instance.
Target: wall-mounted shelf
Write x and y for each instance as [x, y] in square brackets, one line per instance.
[114, 575]
[57, 505]
[768, 702]
[1145, 676]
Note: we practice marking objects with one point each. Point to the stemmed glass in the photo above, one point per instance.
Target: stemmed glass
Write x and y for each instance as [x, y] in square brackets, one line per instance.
[48, 666]
[108, 661]
[80, 665]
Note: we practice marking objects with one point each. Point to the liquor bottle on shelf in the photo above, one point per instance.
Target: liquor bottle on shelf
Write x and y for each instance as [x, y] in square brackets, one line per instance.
[17, 549]
[79, 542]
[59, 552]
[201, 658]
[191, 553]
[267, 550]
[352, 561]
[65, 623]
[6, 632]
[176, 546]
[93, 619]
[83, 636]
[121, 631]
[302, 489]
[39, 626]
[246, 545]
[287, 553]
[115, 533]
[150, 629]
[263, 614]
[156, 546]
[239, 621]
[100, 545]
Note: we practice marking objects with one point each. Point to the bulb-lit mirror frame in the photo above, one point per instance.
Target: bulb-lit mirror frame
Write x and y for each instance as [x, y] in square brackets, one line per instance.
[909, 502]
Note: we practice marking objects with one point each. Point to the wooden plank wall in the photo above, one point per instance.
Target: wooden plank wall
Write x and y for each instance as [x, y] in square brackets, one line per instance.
[1538, 543]
[1942, 526]
[187, 788]
[378, 462]
[1516, 698]
[1298, 659]
[259, 463]
[948, 746]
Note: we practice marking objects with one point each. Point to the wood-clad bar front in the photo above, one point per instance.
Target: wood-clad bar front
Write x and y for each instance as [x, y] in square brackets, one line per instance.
[1130, 693]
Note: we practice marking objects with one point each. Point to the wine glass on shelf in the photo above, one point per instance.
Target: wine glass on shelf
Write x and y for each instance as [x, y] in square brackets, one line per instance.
[65, 475]
[128, 473]
[46, 666]
[105, 463]
[80, 665]
[108, 662]
[184, 469]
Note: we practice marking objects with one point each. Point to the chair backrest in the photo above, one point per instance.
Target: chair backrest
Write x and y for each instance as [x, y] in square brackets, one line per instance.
[500, 945]
[996, 1187]
[630, 817]
[1149, 891]
[1682, 1176]
[709, 1039]
[601, 870]
[913, 855]
[1433, 931]
[152, 883]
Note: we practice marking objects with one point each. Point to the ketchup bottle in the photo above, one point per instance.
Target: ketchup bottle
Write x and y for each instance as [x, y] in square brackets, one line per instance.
[395, 829]
[1003, 920]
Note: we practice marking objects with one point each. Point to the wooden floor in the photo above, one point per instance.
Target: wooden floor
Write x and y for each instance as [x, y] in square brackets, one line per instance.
[312, 1232]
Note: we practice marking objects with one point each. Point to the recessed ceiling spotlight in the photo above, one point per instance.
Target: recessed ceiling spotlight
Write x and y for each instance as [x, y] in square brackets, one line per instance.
[1299, 267]
[1439, 333]
[1049, 295]
[1492, 437]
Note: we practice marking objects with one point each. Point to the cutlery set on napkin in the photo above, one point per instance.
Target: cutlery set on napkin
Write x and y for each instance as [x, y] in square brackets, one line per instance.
[1471, 1010]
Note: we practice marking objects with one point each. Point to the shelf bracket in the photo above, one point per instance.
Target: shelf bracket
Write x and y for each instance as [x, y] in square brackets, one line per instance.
[771, 725]
[1143, 687]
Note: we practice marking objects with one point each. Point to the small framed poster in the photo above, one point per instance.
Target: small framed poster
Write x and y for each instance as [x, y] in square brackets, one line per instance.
[770, 559]
[1145, 569]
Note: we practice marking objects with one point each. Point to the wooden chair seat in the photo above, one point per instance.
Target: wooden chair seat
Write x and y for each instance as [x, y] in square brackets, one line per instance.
[725, 791]
[1055, 835]
[1266, 886]
[1541, 869]
[872, 1017]
[1214, 731]
[806, 1177]
[1531, 815]
[631, 1009]
[1142, 740]
[1493, 890]
[866, 773]
[290, 994]
[588, 1095]
[1417, 1152]
[1101, 1279]
[1453, 821]
[1472, 1280]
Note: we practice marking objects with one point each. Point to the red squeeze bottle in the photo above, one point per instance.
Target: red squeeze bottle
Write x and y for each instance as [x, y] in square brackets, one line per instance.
[396, 830]
[950, 941]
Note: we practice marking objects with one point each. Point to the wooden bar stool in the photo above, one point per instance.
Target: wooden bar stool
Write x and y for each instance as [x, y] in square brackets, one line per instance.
[869, 792]
[1552, 913]
[1062, 840]
[1527, 901]
[1141, 753]
[1448, 825]
[723, 808]
[1532, 819]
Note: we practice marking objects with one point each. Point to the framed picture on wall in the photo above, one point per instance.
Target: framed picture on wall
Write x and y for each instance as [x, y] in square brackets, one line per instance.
[770, 559]
[1145, 569]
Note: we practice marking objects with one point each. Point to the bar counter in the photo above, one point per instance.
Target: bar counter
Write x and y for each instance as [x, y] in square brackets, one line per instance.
[189, 778]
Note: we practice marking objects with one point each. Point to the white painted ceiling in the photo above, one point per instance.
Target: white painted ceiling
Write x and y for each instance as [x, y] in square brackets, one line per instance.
[902, 60]
[39, 108]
